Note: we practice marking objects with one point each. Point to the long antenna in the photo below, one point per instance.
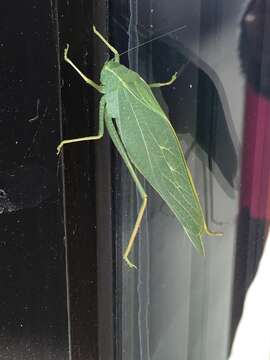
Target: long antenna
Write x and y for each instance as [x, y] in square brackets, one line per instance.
[153, 39]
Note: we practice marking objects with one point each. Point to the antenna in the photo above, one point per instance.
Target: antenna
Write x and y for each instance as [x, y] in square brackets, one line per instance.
[153, 39]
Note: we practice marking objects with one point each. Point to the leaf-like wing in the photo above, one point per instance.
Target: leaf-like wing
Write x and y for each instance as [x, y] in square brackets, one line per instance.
[154, 149]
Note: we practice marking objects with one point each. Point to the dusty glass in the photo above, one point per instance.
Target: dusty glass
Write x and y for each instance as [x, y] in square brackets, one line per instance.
[178, 304]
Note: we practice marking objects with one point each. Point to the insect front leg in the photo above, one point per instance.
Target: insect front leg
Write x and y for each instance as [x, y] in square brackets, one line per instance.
[113, 50]
[173, 78]
[88, 138]
[120, 147]
[157, 85]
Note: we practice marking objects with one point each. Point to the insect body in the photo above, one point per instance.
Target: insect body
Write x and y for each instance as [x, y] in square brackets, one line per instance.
[147, 142]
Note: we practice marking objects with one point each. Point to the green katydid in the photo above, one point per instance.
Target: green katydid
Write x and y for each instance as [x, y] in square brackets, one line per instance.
[147, 142]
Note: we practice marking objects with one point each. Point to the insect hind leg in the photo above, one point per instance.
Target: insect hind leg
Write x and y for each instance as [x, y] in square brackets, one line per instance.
[135, 231]
[120, 147]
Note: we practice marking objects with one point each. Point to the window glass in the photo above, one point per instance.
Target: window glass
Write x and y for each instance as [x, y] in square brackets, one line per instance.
[178, 304]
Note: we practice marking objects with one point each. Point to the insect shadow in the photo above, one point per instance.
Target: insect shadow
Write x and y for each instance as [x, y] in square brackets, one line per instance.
[209, 122]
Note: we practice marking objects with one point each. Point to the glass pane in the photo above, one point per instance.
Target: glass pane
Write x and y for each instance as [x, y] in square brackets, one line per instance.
[178, 304]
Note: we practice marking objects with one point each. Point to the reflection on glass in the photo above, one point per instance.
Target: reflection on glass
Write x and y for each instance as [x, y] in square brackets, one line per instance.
[177, 304]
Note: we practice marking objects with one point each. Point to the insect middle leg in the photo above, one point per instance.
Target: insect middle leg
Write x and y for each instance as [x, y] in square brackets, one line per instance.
[120, 147]
[88, 138]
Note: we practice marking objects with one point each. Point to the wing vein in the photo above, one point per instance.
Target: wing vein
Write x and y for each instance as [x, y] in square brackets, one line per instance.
[137, 98]
[180, 190]
[173, 171]
[145, 144]
[192, 218]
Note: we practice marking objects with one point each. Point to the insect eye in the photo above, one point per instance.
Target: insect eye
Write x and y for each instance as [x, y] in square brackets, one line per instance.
[3, 194]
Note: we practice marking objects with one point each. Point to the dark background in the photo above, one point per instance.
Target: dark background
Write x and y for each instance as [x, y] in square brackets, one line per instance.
[48, 259]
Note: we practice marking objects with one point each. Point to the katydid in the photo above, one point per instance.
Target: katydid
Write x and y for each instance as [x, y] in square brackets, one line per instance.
[147, 143]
